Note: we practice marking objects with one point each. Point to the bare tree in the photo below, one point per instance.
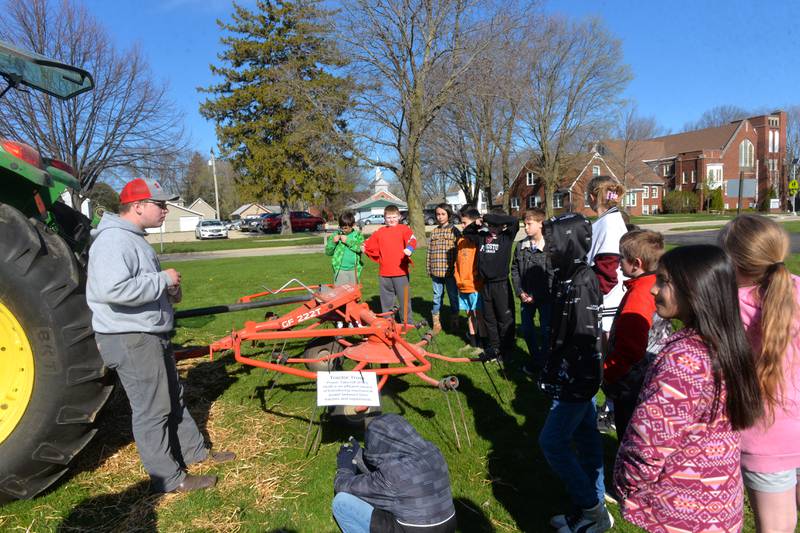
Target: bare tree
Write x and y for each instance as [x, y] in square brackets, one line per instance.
[474, 135]
[717, 116]
[792, 148]
[127, 119]
[576, 78]
[446, 158]
[631, 132]
[396, 47]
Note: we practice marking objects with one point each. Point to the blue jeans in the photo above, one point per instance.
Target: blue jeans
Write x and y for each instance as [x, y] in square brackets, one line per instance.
[439, 284]
[351, 513]
[568, 424]
[538, 351]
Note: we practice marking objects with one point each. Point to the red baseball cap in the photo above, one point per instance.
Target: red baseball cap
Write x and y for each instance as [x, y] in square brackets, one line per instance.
[144, 189]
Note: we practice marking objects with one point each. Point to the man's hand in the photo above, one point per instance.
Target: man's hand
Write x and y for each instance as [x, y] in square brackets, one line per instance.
[525, 297]
[344, 460]
[336, 238]
[174, 276]
[175, 293]
[407, 252]
[343, 238]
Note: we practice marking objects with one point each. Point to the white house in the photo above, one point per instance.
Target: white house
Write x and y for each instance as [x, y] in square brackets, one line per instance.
[456, 198]
[378, 200]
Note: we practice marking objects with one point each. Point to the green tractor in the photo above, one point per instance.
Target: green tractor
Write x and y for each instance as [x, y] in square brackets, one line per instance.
[52, 379]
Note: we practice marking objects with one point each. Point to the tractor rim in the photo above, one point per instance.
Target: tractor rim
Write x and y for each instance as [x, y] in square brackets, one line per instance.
[16, 372]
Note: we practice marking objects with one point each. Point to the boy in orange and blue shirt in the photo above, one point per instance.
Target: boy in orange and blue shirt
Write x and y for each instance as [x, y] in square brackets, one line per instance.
[467, 280]
[391, 247]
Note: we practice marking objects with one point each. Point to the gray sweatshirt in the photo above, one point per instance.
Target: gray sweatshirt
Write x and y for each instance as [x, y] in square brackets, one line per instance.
[125, 289]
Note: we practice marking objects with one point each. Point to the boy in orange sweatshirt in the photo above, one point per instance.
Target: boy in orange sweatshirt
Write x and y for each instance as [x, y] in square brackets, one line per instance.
[467, 281]
[391, 247]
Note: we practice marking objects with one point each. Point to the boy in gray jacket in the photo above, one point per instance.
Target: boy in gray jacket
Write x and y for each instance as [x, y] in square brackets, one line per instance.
[131, 300]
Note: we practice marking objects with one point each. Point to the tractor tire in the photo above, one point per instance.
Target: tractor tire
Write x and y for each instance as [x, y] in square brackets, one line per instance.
[320, 347]
[52, 380]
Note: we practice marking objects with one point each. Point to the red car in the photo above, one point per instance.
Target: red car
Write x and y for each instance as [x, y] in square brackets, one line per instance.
[301, 221]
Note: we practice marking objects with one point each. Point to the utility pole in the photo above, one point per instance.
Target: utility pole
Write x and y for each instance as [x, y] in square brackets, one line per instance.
[213, 163]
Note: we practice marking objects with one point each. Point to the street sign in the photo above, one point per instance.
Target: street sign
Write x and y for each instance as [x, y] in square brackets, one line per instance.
[794, 187]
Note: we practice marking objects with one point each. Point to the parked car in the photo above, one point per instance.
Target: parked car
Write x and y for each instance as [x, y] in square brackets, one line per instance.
[300, 220]
[210, 229]
[370, 219]
[233, 224]
[270, 223]
[253, 222]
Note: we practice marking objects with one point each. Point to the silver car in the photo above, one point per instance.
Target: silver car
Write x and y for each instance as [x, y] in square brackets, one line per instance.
[210, 229]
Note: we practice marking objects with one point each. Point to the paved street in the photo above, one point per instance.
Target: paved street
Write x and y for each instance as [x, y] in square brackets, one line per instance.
[710, 237]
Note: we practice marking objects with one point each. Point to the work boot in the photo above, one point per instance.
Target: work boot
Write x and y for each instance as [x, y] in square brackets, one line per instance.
[192, 482]
[221, 457]
[437, 325]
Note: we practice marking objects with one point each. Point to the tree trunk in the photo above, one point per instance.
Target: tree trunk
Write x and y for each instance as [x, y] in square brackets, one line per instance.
[548, 196]
[413, 179]
[286, 221]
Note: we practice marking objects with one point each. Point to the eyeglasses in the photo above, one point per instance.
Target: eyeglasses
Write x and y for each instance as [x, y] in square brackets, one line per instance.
[158, 203]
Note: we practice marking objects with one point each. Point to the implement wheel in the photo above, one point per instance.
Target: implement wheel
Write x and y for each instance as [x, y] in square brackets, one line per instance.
[52, 380]
[320, 347]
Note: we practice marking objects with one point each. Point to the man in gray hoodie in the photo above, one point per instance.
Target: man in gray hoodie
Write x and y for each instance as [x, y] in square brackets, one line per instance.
[131, 299]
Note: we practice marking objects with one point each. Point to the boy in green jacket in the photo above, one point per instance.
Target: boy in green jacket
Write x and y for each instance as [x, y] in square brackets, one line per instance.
[345, 248]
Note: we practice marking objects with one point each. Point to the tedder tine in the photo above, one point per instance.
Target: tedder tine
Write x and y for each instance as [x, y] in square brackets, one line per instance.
[491, 380]
[463, 419]
[310, 424]
[447, 384]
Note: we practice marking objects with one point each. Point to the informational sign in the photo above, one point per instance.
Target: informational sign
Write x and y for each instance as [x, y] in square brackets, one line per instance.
[347, 388]
[794, 187]
[774, 203]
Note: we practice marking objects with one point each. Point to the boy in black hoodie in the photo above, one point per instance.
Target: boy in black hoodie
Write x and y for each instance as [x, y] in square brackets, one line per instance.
[495, 239]
[571, 376]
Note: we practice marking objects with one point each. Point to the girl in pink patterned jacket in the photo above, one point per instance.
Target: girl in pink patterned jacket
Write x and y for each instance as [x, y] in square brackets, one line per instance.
[678, 466]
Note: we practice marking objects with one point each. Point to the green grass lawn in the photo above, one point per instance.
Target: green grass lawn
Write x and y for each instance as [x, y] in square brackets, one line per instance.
[678, 217]
[500, 482]
[258, 241]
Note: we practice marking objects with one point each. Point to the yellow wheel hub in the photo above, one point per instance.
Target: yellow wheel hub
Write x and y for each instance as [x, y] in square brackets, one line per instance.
[16, 372]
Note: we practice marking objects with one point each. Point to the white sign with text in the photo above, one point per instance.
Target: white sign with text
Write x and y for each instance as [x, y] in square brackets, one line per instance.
[347, 388]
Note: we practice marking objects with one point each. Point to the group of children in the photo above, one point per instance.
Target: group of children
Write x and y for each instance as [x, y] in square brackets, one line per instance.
[687, 404]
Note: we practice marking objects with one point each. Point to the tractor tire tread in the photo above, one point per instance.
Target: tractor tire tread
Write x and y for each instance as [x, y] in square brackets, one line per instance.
[70, 385]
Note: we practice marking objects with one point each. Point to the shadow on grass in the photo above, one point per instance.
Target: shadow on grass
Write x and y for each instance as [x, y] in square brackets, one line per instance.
[516, 468]
[130, 510]
[470, 518]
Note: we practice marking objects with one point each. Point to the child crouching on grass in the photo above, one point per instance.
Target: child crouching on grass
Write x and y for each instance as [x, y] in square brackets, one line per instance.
[571, 377]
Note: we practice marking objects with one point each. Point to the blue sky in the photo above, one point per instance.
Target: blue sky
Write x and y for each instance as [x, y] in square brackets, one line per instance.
[686, 56]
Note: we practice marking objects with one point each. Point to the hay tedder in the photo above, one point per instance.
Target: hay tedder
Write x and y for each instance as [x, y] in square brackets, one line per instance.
[340, 332]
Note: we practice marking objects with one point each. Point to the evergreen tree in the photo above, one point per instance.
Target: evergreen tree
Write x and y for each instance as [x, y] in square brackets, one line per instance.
[280, 105]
